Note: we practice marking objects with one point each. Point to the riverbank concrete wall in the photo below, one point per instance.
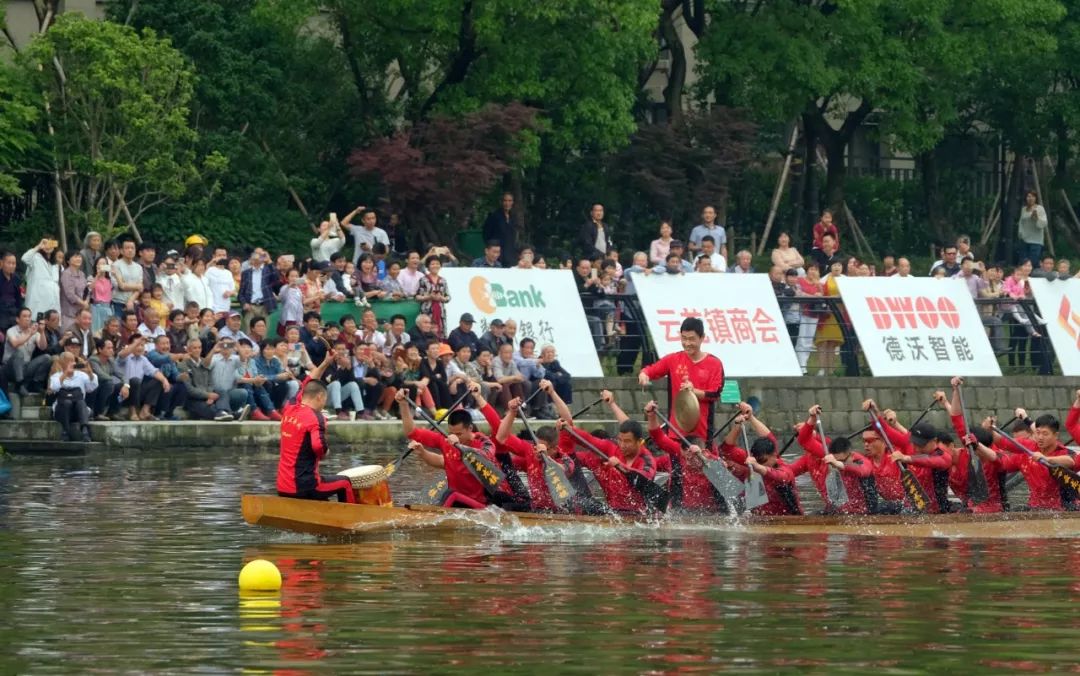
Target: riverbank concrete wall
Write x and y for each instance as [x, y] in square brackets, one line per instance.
[783, 402]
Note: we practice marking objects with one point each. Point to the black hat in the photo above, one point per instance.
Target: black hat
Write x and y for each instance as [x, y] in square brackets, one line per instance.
[791, 272]
[468, 318]
[72, 341]
[497, 322]
[922, 434]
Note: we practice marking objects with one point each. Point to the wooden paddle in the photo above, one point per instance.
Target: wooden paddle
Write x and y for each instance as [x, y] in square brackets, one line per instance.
[835, 490]
[655, 496]
[485, 471]
[914, 490]
[978, 491]
[587, 408]
[1065, 477]
[558, 484]
[721, 478]
[722, 428]
[392, 466]
[756, 495]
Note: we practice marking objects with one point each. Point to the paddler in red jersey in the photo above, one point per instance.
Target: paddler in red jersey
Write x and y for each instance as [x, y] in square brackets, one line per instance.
[466, 489]
[855, 470]
[621, 474]
[532, 457]
[763, 458]
[1044, 492]
[660, 455]
[918, 448]
[690, 489]
[303, 445]
[958, 473]
[886, 473]
[1072, 425]
[693, 370]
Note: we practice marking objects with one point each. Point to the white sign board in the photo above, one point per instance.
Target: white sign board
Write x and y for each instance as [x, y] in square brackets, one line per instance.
[544, 303]
[743, 323]
[1059, 306]
[918, 326]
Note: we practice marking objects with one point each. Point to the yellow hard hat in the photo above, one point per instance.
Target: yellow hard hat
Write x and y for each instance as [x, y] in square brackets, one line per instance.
[196, 239]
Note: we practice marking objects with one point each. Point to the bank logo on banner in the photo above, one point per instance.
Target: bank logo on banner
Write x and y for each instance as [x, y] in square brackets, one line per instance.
[910, 326]
[743, 323]
[1059, 305]
[544, 303]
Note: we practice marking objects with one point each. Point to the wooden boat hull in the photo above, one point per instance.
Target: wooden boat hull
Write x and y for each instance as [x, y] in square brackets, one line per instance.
[335, 519]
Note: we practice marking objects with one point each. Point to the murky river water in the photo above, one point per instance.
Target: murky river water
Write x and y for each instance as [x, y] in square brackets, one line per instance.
[128, 564]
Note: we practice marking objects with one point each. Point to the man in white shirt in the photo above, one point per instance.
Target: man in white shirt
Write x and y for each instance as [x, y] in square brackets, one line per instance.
[22, 338]
[222, 284]
[708, 248]
[329, 241]
[127, 276]
[232, 330]
[366, 234]
[709, 227]
[409, 278]
[742, 263]
[170, 281]
[151, 327]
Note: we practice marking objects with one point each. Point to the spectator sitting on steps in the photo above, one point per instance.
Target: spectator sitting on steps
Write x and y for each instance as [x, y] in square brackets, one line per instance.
[494, 337]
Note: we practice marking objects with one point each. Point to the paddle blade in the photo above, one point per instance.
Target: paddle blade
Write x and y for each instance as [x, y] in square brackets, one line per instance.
[756, 495]
[558, 484]
[485, 471]
[978, 490]
[919, 501]
[721, 478]
[655, 497]
[438, 493]
[1065, 477]
[835, 490]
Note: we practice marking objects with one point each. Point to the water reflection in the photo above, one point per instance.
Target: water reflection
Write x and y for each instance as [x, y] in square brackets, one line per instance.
[119, 563]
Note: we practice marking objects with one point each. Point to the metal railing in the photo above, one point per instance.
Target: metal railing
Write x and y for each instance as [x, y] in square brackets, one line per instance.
[824, 340]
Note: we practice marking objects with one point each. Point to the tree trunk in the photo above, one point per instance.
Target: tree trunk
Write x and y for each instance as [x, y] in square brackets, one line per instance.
[673, 92]
[931, 189]
[836, 173]
[1010, 213]
[810, 206]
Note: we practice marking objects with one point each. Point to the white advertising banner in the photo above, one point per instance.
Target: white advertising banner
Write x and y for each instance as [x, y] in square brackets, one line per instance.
[1059, 306]
[544, 303]
[743, 323]
[918, 326]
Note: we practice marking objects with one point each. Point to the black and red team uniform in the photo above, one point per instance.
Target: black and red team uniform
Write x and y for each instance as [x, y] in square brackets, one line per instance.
[303, 445]
[779, 481]
[690, 487]
[931, 469]
[858, 474]
[622, 497]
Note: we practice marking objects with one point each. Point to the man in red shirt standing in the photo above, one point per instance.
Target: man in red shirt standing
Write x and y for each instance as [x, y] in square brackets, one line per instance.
[693, 370]
[303, 445]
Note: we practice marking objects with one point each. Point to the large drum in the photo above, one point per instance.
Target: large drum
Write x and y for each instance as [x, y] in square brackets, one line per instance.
[369, 484]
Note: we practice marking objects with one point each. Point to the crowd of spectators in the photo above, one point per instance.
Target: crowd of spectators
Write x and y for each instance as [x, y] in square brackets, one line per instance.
[120, 330]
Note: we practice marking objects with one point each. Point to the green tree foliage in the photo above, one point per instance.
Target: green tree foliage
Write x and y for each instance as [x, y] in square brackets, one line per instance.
[18, 114]
[575, 60]
[908, 63]
[119, 106]
[276, 101]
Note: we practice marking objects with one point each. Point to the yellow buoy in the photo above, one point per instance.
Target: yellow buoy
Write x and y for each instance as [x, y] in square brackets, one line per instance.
[260, 575]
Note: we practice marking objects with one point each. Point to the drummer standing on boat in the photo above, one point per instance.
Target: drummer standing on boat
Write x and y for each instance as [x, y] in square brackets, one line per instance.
[692, 370]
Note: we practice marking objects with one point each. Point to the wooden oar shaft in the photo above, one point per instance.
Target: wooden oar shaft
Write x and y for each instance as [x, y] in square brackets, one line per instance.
[587, 408]
[723, 427]
[663, 419]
